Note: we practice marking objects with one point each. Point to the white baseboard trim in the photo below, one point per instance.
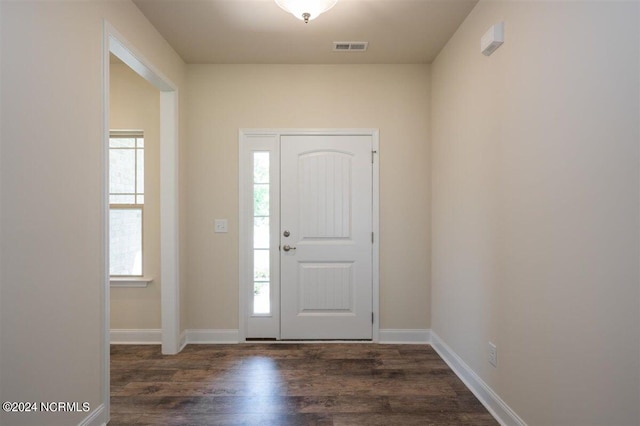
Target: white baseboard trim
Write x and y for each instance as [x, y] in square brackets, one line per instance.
[149, 336]
[496, 406]
[96, 418]
[204, 336]
[410, 336]
[231, 336]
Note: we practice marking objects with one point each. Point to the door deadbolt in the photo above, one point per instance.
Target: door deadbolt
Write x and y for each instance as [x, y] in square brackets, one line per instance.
[286, 233]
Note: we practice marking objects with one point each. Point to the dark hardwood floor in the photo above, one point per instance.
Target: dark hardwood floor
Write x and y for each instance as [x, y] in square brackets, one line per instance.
[289, 384]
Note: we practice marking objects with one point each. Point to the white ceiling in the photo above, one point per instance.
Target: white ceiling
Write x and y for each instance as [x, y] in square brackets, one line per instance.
[259, 32]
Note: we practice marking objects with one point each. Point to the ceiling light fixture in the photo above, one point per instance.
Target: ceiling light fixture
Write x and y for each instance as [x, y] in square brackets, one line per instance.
[306, 10]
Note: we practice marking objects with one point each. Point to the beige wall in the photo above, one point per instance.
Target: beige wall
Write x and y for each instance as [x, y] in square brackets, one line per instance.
[224, 98]
[51, 264]
[135, 104]
[535, 207]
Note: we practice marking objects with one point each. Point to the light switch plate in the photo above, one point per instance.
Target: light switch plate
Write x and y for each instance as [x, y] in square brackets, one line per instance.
[221, 225]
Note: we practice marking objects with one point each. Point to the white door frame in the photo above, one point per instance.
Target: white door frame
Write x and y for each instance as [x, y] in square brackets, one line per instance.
[115, 43]
[244, 284]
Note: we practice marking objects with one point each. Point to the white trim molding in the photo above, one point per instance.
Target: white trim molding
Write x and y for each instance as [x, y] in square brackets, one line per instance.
[116, 44]
[405, 337]
[232, 336]
[129, 282]
[204, 336]
[491, 400]
[135, 336]
[96, 418]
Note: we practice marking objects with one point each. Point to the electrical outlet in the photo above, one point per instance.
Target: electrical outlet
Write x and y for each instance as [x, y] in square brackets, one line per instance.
[493, 355]
[220, 225]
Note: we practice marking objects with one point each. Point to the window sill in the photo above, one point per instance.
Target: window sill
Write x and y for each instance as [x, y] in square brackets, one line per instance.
[132, 282]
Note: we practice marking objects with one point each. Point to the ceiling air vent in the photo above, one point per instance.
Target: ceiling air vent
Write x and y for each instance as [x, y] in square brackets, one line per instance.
[353, 46]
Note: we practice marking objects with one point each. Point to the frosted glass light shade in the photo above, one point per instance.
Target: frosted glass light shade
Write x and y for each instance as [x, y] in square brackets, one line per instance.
[306, 10]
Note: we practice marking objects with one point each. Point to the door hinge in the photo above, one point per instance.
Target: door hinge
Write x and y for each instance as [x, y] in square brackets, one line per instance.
[371, 317]
[373, 154]
[372, 240]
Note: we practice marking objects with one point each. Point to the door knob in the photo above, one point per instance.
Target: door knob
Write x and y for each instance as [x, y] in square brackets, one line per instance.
[287, 247]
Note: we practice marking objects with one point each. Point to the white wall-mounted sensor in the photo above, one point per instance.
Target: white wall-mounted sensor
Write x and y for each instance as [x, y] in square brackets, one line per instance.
[492, 39]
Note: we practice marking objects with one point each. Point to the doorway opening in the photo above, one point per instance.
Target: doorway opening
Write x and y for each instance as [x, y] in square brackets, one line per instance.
[114, 44]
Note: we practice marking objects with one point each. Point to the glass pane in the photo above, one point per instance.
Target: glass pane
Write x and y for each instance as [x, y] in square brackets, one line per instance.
[261, 232]
[261, 257]
[140, 171]
[260, 167]
[140, 199]
[140, 142]
[122, 143]
[261, 200]
[261, 265]
[261, 302]
[125, 242]
[122, 170]
[122, 199]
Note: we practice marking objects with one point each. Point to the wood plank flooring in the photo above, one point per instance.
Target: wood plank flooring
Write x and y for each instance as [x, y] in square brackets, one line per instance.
[289, 384]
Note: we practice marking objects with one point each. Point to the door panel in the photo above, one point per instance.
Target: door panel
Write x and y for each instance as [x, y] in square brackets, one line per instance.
[324, 190]
[325, 287]
[326, 207]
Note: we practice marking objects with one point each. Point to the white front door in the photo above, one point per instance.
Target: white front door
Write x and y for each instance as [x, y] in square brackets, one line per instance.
[326, 237]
